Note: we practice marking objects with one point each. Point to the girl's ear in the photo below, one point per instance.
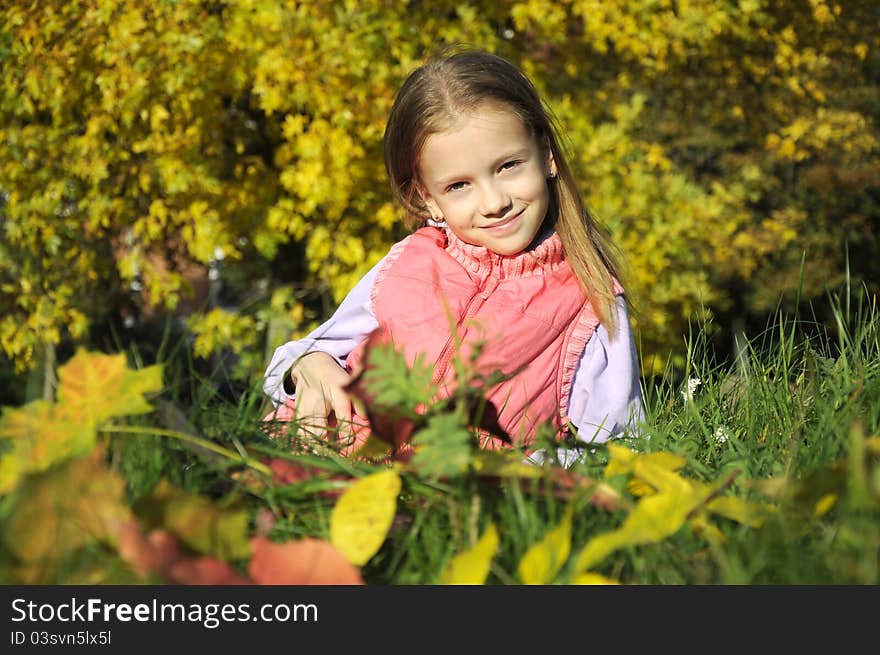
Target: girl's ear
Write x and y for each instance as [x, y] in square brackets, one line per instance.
[551, 163]
[432, 206]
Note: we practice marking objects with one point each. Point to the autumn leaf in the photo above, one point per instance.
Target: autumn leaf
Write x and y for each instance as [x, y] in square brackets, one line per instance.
[95, 387]
[750, 514]
[543, 560]
[705, 529]
[623, 459]
[363, 515]
[39, 438]
[285, 471]
[472, 566]
[593, 579]
[158, 553]
[320, 481]
[653, 519]
[77, 503]
[503, 464]
[204, 525]
[303, 562]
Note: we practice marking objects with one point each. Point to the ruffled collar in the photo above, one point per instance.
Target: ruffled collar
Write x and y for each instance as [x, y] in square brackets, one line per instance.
[545, 257]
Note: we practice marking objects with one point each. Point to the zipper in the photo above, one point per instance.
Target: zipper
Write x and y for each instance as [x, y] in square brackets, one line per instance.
[476, 301]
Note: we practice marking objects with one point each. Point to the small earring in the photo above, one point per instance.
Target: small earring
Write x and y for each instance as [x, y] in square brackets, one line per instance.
[551, 175]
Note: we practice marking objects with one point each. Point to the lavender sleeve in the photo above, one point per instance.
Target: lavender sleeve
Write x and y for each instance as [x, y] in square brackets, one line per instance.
[350, 324]
[606, 397]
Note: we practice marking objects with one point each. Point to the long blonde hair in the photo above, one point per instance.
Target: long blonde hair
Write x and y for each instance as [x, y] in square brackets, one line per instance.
[453, 85]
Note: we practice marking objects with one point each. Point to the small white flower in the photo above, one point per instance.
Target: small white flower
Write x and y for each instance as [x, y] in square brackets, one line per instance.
[692, 385]
[722, 434]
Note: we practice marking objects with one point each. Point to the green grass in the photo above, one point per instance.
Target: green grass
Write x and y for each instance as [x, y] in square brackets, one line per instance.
[794, 424]
[795, 409]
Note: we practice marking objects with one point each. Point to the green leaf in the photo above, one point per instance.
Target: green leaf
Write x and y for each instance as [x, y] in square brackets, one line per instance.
[472, 566]
[393, 382]
[443, 447]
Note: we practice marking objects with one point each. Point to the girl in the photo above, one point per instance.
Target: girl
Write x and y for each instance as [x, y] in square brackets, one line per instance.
[505, 243]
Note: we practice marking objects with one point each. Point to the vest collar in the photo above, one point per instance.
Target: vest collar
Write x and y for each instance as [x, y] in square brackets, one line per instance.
[545, 257]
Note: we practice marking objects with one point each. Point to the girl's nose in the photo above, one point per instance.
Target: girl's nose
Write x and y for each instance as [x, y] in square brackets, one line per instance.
[495, 201]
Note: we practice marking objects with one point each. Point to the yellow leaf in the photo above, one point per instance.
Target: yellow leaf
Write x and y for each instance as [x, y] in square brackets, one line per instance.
[505, 464]
[621, 460]
[664, 460]
[472, 566]
[543, 560]
[639, 487]
[362, 516]
[824, 504]
[593, 579]
[661, 478]
[707, 530]
[95, 387]
[204, 526]
[739, 510]
[63, 509]
[40, 438]
[653, 519]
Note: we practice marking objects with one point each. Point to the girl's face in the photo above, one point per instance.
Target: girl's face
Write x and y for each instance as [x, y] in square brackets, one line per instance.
[487, 178]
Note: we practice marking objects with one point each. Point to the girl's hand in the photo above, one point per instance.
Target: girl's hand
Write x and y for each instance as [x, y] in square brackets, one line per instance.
[319, 382]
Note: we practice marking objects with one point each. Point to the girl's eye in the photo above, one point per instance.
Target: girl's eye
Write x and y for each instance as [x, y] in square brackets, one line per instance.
[506, 166]
[455, 186]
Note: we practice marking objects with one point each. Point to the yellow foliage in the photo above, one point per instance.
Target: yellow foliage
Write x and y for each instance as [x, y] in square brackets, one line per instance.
[93, 388]
[668, 501]
[78, 503]
[472, 566]
[542, 561]
[126, 130]
[220, 329]
[362, 516]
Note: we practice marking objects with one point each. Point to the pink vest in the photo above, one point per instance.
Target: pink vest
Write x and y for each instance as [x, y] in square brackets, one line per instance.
[525, 310]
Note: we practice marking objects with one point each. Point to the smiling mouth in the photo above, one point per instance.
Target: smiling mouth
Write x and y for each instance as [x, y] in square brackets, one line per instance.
[504, 222]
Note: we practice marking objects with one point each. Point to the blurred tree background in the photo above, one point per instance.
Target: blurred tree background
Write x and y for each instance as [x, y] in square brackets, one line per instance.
[215, 168]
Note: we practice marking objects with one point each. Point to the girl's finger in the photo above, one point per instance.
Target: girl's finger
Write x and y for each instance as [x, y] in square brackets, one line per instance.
[342, 410]
[311, 416]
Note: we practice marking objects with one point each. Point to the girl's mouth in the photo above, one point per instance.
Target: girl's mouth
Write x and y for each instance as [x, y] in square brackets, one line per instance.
[505, 223]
